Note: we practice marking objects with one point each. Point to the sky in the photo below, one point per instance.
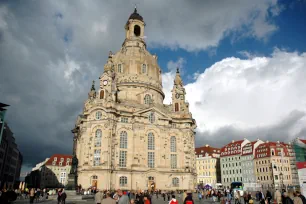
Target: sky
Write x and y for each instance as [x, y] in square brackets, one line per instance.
[243, 64]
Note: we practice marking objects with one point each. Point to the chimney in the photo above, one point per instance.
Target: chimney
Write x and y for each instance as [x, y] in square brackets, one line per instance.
[206, 145]
[267, 141]
[233, 141]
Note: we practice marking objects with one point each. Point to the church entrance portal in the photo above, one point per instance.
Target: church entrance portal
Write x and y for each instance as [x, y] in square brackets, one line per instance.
[94, 181]
[151, 183]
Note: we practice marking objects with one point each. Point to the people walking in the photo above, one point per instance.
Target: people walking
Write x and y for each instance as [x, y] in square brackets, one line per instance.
[98, 197]
[173, 200]
[286, 199]
[188, 199]
[108, 199]
[278, 197]
[123, 199]
[297, 199]
[32, 195]
[268, 196]
[63, 197]
[298, 193]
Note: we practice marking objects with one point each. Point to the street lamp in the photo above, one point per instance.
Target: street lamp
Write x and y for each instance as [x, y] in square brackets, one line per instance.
[281, 179]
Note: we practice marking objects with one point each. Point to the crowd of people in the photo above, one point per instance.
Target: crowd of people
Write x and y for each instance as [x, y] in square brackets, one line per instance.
[223, 196]
[138, 197]
[31, 194]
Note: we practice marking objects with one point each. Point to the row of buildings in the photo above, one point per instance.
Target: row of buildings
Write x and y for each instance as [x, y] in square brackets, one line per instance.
[10, 157]
[254, 163]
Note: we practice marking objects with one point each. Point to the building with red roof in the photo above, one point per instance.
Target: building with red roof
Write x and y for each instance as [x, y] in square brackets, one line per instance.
[54, 174]
[272, 165]
[231, 162]
[247, 157]
[208, 165]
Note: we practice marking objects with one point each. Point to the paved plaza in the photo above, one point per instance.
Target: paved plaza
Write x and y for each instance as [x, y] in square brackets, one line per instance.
[160, 200]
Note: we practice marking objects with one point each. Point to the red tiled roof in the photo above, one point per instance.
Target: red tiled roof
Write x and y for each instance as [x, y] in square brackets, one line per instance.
[232, 148]
[304, 141]
[264, 150]
[207, 149]
[56, 159]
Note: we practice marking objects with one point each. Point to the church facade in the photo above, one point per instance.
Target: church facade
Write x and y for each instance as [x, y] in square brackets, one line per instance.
[126, 137]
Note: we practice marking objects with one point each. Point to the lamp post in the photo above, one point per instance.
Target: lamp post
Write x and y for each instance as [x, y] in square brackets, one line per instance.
[281, 179]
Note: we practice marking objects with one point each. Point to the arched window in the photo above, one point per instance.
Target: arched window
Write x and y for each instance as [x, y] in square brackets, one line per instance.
[173, 144]
[123, 140]
[151, 141]
[98, 138]
[147, 99]
[137, 30]
[175, 182]
[102, 94]
[144, 68]
[176, 107]
[151, 117]
[123, 181]
[98, 115]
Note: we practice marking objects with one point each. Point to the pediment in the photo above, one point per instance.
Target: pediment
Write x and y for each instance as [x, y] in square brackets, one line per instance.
[147, 111]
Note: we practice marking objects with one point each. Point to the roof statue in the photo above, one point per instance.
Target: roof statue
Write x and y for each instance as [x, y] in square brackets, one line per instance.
[178, 79]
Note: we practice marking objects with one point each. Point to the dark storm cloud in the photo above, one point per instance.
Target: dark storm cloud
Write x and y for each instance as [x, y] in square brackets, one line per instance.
[51, 50]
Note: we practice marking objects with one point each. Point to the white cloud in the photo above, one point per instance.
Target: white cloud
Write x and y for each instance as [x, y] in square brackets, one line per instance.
[255, 97]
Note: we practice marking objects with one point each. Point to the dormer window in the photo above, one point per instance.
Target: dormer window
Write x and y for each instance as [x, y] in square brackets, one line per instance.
[53, 163]
[62, 159]
[144, 68]
[120, 70]
[55, 158]
[61, 163]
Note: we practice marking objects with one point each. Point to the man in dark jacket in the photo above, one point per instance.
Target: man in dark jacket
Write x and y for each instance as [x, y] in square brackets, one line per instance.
[298, 193]
[188, 199]
[286, 199]
[63, 197]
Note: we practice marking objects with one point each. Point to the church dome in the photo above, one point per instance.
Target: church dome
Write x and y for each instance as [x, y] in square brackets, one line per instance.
[136, 16]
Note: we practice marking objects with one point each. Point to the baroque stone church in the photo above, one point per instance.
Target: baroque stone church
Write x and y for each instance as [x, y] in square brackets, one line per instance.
[126, 137]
